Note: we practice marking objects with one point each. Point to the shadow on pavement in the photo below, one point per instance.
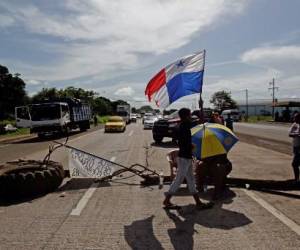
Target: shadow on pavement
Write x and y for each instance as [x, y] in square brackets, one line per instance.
[6, 202]
[72, 184]
[167, 144]
[139, 235]
[185, 219]
[263, 184]
[80, 183]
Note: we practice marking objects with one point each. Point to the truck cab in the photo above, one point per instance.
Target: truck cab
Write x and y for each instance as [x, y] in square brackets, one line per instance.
[124, 112]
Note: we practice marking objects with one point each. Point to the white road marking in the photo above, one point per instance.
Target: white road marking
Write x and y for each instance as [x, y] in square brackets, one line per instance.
[131, 133]
[86, 197]
[284, 219]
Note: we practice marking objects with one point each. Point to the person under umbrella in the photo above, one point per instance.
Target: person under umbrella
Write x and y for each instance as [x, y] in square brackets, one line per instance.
[212, 142]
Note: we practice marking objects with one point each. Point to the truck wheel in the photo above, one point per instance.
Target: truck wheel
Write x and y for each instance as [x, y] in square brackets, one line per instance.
[28, 178]
[82, 128]
[157, 139]
[41, 136]
[65, 131]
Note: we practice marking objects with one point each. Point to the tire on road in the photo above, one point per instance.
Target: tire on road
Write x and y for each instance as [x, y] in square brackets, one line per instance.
[29, 178]
[157, 138]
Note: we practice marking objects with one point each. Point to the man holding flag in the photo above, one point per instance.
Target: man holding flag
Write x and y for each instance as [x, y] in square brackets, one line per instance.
[181, 78]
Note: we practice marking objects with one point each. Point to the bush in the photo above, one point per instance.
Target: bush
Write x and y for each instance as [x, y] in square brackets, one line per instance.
[102, 119]
[4, 122]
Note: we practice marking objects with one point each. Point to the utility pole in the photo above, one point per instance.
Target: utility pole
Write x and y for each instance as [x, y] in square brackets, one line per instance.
[247, 105]
[273, 88]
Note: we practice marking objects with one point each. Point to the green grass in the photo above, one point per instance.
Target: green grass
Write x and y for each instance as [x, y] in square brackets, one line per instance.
[20, 131]
[258, 118]
[102, 119]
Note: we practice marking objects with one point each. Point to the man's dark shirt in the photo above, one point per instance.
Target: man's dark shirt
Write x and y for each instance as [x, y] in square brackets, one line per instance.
[185, 140]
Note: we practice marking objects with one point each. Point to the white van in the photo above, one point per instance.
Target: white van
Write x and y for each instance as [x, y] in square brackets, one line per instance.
[234, 114]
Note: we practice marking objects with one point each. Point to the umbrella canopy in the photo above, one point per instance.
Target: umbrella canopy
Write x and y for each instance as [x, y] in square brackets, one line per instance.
[211, 139]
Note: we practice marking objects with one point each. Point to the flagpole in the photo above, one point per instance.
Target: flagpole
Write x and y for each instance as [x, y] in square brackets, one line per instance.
[200, 99]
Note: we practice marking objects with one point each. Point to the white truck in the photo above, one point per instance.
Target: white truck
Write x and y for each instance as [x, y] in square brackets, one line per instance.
[124, 112]
[234, 114]
[55, 116]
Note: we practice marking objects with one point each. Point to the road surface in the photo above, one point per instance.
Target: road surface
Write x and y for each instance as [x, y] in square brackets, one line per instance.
[123, 215]
[273, 132]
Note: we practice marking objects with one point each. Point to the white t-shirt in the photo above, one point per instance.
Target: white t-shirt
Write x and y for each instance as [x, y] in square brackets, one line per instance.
[295, 131]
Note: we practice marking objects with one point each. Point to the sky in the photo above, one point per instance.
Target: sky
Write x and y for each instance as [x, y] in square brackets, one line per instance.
[116, 47]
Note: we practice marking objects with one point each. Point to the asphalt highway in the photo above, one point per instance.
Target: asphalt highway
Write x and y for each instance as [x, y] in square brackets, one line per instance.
[266, 131]
[121, 214]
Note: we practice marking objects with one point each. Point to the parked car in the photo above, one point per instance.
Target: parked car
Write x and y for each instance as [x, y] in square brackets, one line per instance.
[149, 121]
[10, 128]
[115, 124]
[168, 127]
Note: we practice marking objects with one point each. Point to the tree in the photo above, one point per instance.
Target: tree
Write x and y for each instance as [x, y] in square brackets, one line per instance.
[78, 93]
[45, 94]
[146, 108]
[222, 100]
[12, 92]
[102, 106]
[118, 102]
[133, 110]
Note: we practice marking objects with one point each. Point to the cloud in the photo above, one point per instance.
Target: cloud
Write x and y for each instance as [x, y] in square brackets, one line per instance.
[281, 61]
[96, 38]
[33, 82]
[126, 91]
[269, 54]
[6, 21]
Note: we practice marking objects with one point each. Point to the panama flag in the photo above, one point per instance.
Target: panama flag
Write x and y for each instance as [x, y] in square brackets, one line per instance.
[181, 78]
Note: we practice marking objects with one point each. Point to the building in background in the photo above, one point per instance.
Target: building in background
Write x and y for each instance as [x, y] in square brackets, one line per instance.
[264, 106]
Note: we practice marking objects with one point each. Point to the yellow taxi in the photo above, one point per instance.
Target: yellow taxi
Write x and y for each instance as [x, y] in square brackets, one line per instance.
[115, 124]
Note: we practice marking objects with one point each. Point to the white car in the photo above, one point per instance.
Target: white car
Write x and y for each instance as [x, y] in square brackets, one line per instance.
[10, 128]
[149, 122]
[133, 117]
[146, 116]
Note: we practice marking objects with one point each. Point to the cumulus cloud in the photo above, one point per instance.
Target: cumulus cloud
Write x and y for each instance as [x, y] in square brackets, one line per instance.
[284, 60]
[271, 54]
[102, 36]
[280, 63]
[33, 82]
[126, 91]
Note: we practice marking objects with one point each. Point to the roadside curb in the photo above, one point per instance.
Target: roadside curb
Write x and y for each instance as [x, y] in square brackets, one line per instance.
[28, 136]
[16, 138]
[283, 124]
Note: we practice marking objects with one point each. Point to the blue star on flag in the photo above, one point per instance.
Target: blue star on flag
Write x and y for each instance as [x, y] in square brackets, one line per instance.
[180, 63]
